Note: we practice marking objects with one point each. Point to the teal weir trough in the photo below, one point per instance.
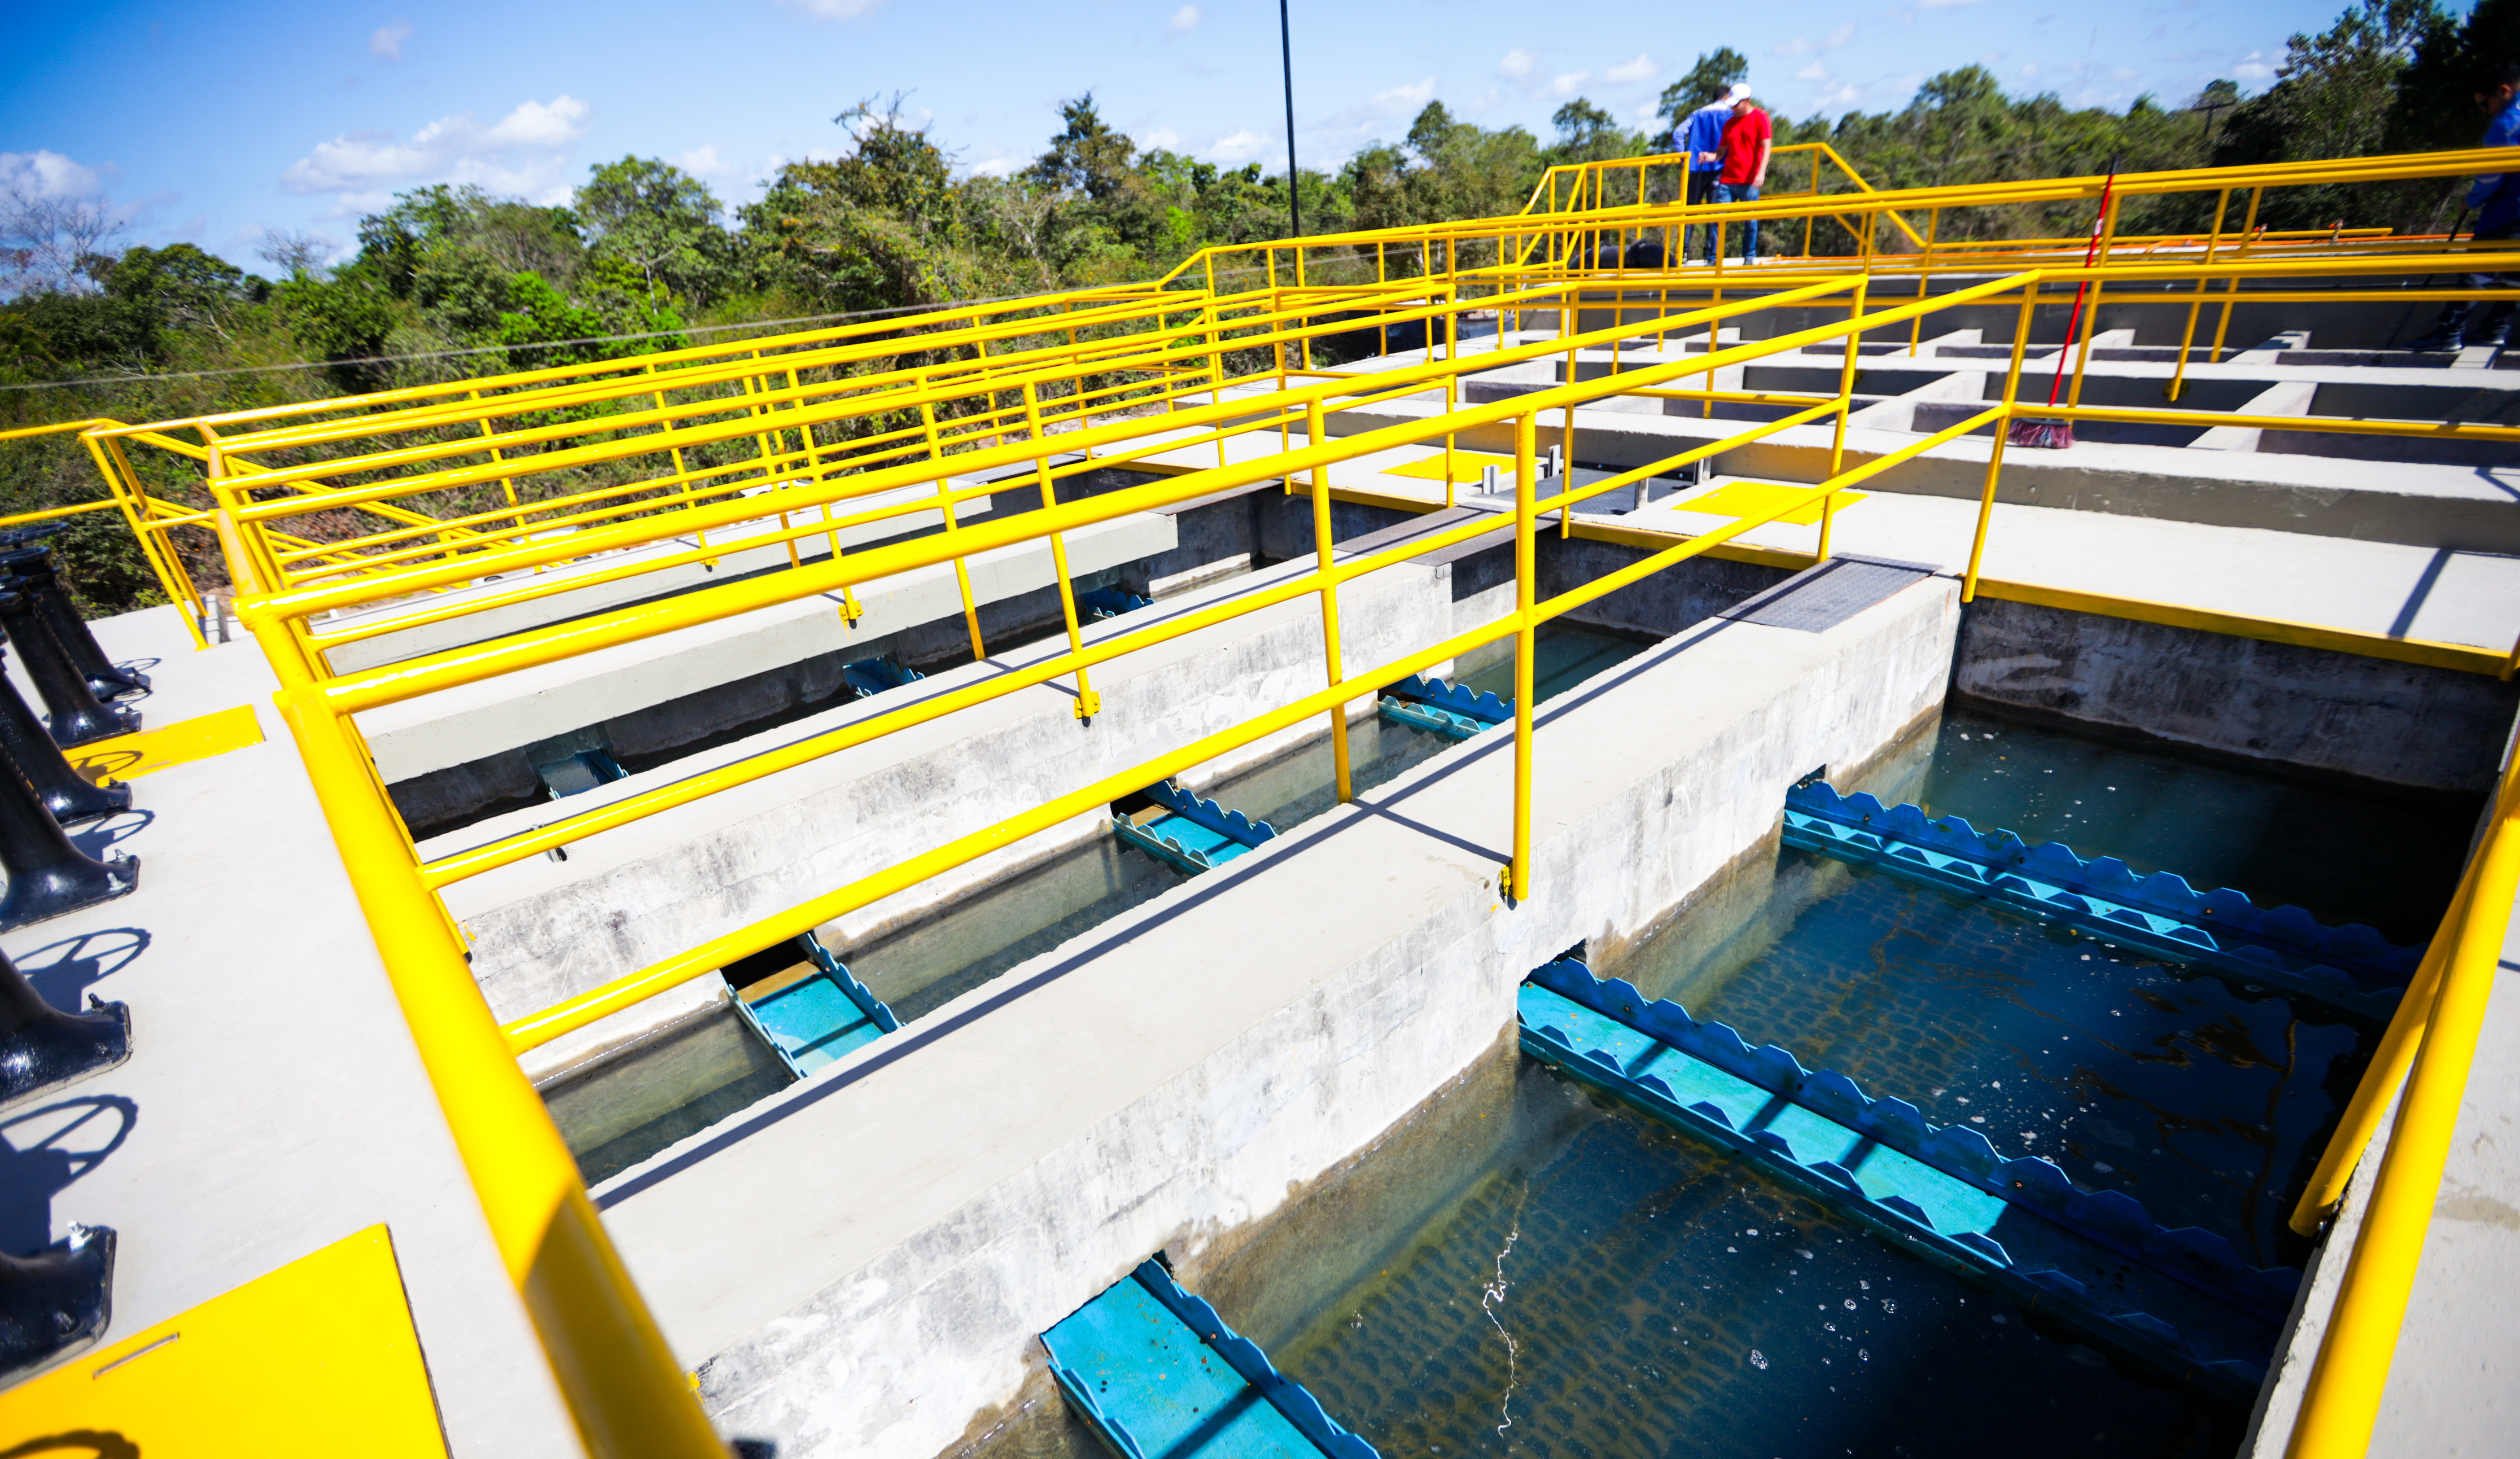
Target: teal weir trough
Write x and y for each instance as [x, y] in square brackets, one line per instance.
[1158, 1375]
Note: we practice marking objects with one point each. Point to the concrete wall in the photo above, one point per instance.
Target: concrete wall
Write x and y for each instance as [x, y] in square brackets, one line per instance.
[2315, 709]
[938, 1199]
[544, 931]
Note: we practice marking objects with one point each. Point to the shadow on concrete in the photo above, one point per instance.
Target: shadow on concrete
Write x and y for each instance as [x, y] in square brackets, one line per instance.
[97, 835]
[42, 1151]
[63, 971]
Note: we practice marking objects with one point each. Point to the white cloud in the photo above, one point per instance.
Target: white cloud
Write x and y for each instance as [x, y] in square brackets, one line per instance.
[1798, 46]
[1184, 21]
[48, 174]
[704, 161]
[1164, 138]
[2252, 67]
[1402, 100]
[1566, 84]
[1943, 4]
[831, 10]
[993, 167]
[1238, 147]
[1839, 37]
[385, 41]
[1846, 94]
[534, 124]
[518, 155]
[1639, 69]
[1516, 63]
[1812, 72]
[2029, 70]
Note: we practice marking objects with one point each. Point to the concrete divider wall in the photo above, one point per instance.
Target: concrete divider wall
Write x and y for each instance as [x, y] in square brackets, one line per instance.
[916, 1216]
[2315, 709]
[545, 931]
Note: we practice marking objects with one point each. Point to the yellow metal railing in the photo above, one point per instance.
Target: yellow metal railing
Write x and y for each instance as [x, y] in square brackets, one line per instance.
[2428, 1050]
[599, 475]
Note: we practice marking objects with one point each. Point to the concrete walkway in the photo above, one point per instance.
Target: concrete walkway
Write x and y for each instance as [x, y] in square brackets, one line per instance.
[274, 1102]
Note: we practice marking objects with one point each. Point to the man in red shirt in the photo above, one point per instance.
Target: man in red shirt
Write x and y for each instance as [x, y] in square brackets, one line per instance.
[1748, 138]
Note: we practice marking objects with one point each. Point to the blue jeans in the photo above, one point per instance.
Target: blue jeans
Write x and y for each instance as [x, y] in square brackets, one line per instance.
[1701, 190]
[1746, 230]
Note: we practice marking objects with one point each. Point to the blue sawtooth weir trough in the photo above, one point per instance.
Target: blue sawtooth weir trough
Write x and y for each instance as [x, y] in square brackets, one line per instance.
[1193, 834]
[2351, 966]
[2183, 1301]
[1158, 1375]
[817, 1012]
[1441, 708]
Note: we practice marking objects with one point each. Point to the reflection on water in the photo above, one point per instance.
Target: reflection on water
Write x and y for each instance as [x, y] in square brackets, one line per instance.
[687, 1077]
[1570, 653]
[2207, 1100]
[1522, 1268]
[2345, 856]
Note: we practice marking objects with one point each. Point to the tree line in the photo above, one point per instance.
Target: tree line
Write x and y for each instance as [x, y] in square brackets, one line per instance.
[451, 281]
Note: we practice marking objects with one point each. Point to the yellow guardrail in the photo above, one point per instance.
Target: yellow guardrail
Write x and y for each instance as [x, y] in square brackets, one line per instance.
[2428, 1050]
[597, 475]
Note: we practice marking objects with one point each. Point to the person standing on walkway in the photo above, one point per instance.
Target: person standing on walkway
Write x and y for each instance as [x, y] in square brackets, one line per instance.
[1701, 134]
[1748, 138]
[2497, 202]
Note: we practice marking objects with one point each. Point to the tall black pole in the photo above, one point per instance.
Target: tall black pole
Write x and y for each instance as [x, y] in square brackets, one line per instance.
[1287, 54]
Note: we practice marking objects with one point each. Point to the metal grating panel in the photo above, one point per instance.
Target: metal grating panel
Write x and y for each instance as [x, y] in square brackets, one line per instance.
[1822, 597]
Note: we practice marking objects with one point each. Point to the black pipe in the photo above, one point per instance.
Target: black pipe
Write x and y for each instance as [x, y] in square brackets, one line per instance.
[78, 716]
[66, 794]
[52, 598]
[55, 1302]
[47, 874]
[42, 1048]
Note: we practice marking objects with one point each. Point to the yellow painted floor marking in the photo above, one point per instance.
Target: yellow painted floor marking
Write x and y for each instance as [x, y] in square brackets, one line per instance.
[127, 756]
[1466, 466]
[1737, 499]
[318, 1357]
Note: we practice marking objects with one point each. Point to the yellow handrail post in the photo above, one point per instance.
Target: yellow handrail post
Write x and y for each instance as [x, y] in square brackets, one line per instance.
[2231, 289]
[1845, 403]
[945, 506]
[1924, 277]
[1526, 643]
[2092, 320]
[2187, 336]
[1088, 703]
[2003, 434]
[2342, 1399]
[1324, 561]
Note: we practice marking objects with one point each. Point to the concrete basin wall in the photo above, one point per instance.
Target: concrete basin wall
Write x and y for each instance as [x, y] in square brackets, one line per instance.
[911, 1218]
[2278, 704]
[544, 931]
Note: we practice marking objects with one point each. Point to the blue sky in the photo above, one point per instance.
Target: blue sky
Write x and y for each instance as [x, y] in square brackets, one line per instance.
[214, 123]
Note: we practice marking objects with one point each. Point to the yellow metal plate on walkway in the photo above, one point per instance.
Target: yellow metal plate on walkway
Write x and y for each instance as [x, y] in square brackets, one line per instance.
[1466, 466]
[1738, 499]
[318, 1357]
[129, 756]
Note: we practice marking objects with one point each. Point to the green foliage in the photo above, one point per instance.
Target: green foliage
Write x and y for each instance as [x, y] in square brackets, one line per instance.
[1713, 75]
[645, 249]
[661, 223]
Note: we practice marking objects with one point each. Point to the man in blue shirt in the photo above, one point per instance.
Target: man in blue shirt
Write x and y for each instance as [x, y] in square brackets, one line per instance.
[2497, 201]
[1701, 134]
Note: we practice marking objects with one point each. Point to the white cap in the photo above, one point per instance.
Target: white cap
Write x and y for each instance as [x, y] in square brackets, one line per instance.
[1740, 91]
